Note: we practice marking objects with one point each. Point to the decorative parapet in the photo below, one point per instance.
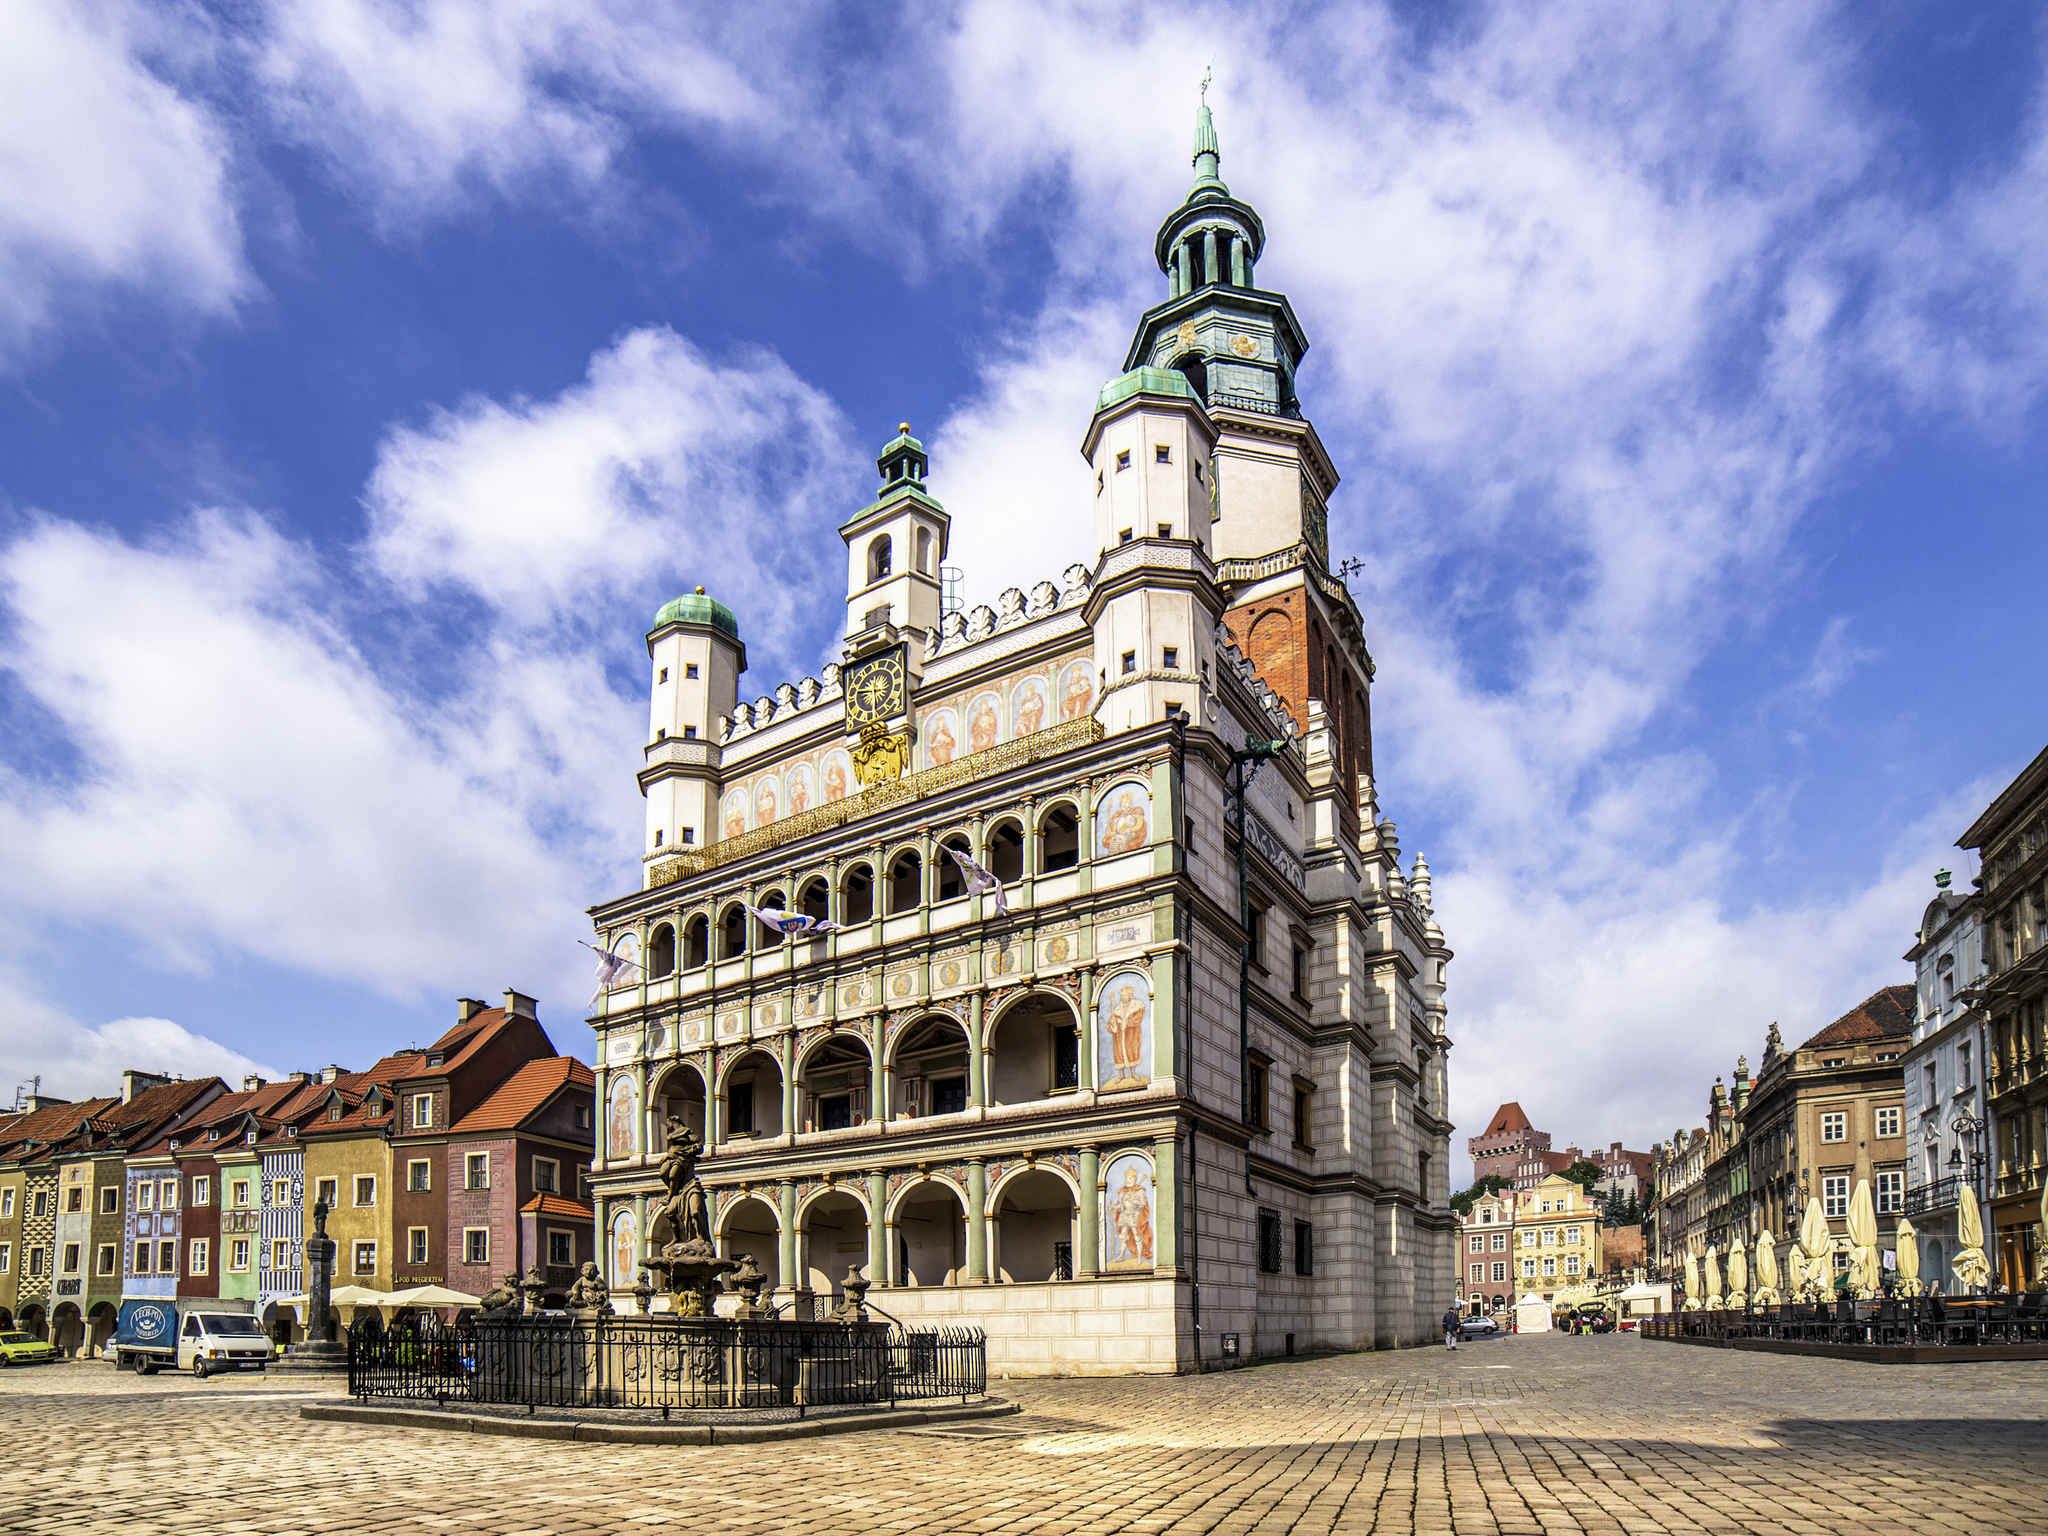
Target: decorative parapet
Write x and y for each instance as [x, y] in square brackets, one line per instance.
[1242, 570]
[668, 867]
[1279, 722]
[1014, 606]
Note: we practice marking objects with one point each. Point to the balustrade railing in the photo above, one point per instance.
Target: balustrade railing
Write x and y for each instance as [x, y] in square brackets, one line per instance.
[661, 1363]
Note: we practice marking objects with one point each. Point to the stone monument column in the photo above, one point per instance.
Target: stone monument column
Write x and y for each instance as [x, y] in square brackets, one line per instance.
[878, 1236]
[319, 1352]
[977, 1060]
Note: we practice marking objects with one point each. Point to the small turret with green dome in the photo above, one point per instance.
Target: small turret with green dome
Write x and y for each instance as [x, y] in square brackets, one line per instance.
[696, 608]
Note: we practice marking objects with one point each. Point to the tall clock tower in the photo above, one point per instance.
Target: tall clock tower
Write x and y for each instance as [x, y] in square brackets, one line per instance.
[894, 546]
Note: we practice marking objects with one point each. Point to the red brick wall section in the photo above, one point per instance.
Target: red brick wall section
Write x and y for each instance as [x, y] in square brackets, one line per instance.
[493, 1208]
[1289, 646]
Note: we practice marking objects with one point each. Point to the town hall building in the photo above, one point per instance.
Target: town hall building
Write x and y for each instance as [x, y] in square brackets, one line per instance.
[1175, 1096]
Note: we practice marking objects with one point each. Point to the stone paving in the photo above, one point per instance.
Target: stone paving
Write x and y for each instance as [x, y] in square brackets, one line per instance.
[1518, 1435]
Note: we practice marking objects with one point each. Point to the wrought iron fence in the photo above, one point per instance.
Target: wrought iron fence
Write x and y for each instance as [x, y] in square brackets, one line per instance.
[664, 1364]
[1956, 1321]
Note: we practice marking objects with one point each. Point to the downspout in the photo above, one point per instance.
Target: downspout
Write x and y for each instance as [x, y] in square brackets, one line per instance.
[1183, 1043]
[1241, 765]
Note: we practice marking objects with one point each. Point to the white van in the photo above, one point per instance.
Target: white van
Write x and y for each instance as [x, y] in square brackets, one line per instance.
[205, 1342]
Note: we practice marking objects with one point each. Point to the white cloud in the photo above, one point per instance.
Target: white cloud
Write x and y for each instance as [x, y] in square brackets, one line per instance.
[114, 177]
[253, 781]
[81, 1061]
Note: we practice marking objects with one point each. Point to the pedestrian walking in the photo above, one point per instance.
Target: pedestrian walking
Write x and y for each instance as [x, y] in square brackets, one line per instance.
[1450, 1328]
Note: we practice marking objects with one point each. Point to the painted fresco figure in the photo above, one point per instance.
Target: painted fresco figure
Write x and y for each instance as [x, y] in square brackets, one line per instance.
[1127, 1035]
[983, 726]
[942, 743]
[1077, 695]
[1123, 829]
[1131, 1219]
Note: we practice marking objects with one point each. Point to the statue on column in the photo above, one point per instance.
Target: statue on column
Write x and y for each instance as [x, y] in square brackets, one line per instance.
[679, 1246]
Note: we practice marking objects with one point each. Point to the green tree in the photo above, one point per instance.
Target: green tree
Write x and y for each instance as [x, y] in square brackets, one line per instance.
[1585, 1174]
[1492, 1184]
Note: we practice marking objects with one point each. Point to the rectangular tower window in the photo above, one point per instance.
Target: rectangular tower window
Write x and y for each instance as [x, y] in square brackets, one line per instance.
[1161, 454]
[689, 836]
[657, 837]
[1123, 459]
[1130, 662]
[1169, 658]
[689, 733]
[107, 1251]
[1123, 536]
[1305, 1249]
[689, 670]
[1269, 1242]
[664, 676]
[110, 1200]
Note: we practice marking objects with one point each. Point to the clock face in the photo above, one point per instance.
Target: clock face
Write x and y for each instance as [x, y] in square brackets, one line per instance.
[874, 689]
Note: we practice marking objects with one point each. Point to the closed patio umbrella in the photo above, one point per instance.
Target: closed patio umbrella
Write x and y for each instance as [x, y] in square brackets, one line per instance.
[1711, 1272]
[1865, 1269]
[1909, 1258]
[1738, 1275]
[1766, 1292]
[1973, 1270]
[1816, 1248]
[430, 1296]
[1692, 1283]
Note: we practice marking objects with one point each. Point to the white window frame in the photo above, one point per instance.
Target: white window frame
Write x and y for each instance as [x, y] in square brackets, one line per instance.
[355, 1256]
[1571, 1264]
[1500, 1272]
[355, 1187]
[320, 1189]
[238, 1195]
[467, 1234]
[1549, 1267]
[199, 1257]
[280, 1253]
[416, 1249]
[1528, 1269]
[239, 1254]
[1893, 1116]
[167, 1194]
[6, 1258]
[1477, 1243]
[1834, 1194]
[145, 1196]
[1500, 1242]
[280, 1193]
[110, 1200]
[1892, 1182]
[422, 1111]
[1837, 1121]
[202, 1189]
[427, 1184]
[469, 1170]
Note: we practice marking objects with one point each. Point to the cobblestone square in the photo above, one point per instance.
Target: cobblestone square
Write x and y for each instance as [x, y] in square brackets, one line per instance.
[1517, 1435]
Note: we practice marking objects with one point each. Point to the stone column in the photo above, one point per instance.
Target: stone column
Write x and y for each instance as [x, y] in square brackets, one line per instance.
[977, 1063]
[786, 1248]
[601, 1153]
[878, 1081]
[714, 1104]
[640, 1244]
[1088, 1248]
[977, 1221]
[1084, 876]
[789, 1094]
[1088, 1063]
[1166, 1218]
[878, 1234]
[601, 1212]
[646, 1106]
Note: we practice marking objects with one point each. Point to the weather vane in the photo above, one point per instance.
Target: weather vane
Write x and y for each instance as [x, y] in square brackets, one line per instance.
[1349, 567]
[1207, 71]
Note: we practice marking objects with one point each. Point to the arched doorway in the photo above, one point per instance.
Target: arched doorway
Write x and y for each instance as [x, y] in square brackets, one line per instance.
[833, 1083]
[1034, 1228]
[1034, 1051]
[280, 1323]
[931, 1236]
[749, 1225]
[100, 1327]
[680, 1092]
[33, 1322]
[930, 1060]
[753, 1097]
[832, 1232]
[67, 1328]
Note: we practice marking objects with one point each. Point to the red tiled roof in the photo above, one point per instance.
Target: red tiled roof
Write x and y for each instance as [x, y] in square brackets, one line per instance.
[556, 1205]
[1884, 1015]
[1508, 1117]
[41, 1128]
[513, 1101]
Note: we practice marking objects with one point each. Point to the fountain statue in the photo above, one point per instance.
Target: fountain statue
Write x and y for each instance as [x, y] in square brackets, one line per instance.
[679, 1247]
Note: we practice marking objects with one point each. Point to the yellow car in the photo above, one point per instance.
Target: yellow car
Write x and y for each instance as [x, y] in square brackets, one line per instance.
[25, 1349]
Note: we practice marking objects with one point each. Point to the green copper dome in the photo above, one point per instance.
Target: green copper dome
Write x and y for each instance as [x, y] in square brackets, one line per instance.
[696, 608]
[1144, 381]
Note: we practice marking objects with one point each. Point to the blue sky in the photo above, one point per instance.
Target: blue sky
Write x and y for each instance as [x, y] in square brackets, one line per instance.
[369, 374]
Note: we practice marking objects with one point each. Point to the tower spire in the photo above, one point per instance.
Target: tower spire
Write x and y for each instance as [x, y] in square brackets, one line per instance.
[1208, 153]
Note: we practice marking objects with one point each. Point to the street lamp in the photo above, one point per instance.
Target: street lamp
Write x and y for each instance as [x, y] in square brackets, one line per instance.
[1967, 1128]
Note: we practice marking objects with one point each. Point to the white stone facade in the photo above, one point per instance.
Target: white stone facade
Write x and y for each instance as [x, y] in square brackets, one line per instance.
[1944, 1069]
[1116, 1127]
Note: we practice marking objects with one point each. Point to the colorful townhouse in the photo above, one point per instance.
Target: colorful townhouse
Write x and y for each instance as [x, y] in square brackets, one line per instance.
[28, 1207]
[92, 1185]
[516, 1168]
